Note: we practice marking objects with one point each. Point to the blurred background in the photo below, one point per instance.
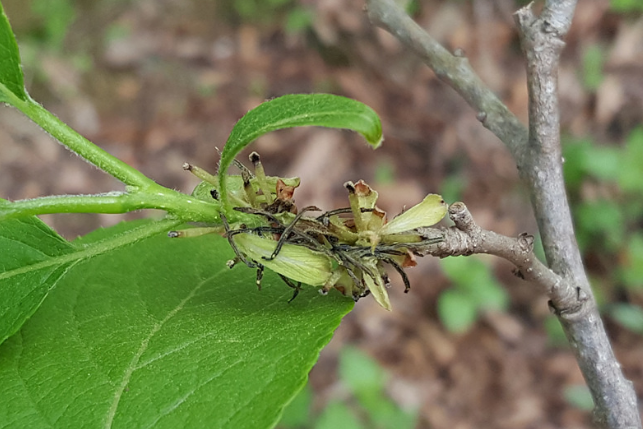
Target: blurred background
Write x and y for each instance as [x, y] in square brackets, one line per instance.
[161, 82]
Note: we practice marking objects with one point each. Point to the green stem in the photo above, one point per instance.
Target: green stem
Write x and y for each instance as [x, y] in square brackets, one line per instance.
[182, 206]
[77, 143]
[144, 192]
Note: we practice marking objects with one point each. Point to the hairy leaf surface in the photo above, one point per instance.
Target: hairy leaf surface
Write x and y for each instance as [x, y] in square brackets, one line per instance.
[162, 334]
[11, 79]
[33, 259]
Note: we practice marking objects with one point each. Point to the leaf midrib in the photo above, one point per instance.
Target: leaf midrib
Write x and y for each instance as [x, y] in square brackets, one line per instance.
[97, 248]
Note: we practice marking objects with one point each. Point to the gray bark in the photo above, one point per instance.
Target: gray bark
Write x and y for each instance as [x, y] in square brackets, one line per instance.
[537, 152]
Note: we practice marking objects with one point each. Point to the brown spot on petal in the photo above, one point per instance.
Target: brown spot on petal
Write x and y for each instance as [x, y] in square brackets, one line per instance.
[379, 213]
[349, 223]
[362, 189]
[284, 192]
[409, 260]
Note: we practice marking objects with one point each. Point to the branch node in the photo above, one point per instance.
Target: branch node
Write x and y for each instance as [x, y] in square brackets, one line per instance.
[459, 53]
[548, 28]
[581, 295]
[482, 117]
[526, 242]
[516, 272]
[552, 307]
[525, 16]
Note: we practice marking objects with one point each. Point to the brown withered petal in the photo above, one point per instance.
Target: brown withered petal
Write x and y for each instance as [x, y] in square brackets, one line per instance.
[409, 260]
[283, 191]
[379, 212]
[362, 189]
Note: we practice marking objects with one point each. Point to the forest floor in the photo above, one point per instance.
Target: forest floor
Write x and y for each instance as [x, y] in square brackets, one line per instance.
[161, 83]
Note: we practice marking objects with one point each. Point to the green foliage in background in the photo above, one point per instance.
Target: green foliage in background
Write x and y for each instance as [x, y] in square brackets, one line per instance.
[361, 402]
[592, 68]
[55, 17]
[287, 14]
[606, 186]
[629, 316]
[475, 290]
[579, 396]
[555, 333]
[626, 6]
[45, 47]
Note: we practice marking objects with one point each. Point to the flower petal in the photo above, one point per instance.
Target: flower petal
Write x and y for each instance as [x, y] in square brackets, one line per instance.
[429, 212]
[363, 197]
[376, 285]
[295, 262]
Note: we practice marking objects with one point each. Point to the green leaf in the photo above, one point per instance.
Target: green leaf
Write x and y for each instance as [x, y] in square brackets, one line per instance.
[628, 315]
[555, 333]
[297, 413]
[57, 17]
[490, 295]
[631, 175]
[366, 379]
[360, 372]
[603, 162]
[298, 110]
[474, 277]
[631, 269]
[593, 61]
[26, 276]
[585, 157]
[338, 416]
[35, 259]
[162, 334]
[457, 310]
[600, 222]
[574, 156]
[11, 79]
[626, 6]
[298, 20]
[464, 271]
[579, 396]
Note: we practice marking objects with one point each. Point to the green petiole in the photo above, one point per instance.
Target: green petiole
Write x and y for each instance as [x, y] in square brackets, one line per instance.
[79, 144]
[179, 205]
[143, 192]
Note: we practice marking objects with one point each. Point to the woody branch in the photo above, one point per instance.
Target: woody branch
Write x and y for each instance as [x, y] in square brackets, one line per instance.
[467, 238]
[538, 158]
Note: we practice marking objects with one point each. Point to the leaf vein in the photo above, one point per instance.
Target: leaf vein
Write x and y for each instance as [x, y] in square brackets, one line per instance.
[132, 366]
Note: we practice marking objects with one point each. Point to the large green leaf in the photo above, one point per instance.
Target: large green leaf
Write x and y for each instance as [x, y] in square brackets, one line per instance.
[26, 247]
[33, 259]
[161, 334]
[11, 79]
[298, 110]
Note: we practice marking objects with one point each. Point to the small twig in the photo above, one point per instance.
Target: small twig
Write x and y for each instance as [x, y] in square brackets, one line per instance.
[453, 70]
[467, 238]
[616, 405]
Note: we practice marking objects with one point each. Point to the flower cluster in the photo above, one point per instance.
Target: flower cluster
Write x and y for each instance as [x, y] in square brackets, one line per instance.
[346, 249]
